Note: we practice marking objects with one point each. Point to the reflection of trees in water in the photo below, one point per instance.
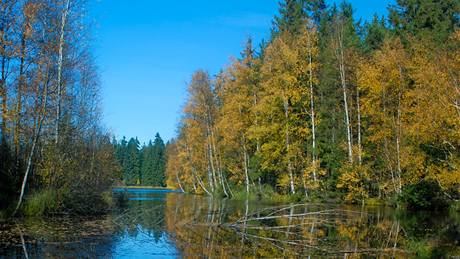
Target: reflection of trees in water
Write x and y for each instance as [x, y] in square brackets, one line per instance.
[142, 217]
[57, 238]
[211, 228]
[434, 235]
[226, 229]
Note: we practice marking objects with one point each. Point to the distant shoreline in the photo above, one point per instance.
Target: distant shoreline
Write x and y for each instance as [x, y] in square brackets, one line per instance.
[142, 187]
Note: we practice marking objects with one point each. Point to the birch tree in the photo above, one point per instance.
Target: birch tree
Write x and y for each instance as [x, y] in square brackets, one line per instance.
[64, 13]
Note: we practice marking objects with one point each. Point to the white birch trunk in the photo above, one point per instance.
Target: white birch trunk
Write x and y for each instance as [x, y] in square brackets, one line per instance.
[246, 171]
[178, 182]
[32, 150]
[218, 164]
[340, 56]
[289, 165]
[312, 109]
[59, 72]
[198, 179]
[358, 106]
[398, 148]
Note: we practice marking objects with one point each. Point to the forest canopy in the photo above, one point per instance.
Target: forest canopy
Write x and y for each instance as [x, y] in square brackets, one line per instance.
[142, 165]
[330, 106]
[54, 148]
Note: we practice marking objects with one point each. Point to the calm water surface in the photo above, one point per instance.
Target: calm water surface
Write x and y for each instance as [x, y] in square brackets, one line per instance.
[164, 224]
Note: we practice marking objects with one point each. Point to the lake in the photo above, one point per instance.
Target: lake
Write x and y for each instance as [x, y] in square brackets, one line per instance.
[166, 224]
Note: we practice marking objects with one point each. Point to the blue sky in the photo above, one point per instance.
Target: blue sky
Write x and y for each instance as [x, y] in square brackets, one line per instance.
[147, 51]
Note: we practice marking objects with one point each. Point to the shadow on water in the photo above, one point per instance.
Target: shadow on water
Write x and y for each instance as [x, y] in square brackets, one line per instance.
[161, 224]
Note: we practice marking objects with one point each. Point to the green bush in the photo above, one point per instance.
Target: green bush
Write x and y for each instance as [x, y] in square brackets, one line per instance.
[455, 207]
[240, 194]
[86, 202]
[53, 202]
[265, 193]
[120, 199]
[260, 193]
[424, 195]
[42, 203]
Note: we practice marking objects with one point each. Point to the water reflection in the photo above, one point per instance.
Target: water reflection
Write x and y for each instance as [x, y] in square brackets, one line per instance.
[158, 224]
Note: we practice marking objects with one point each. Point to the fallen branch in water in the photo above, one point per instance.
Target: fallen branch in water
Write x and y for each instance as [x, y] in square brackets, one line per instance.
[298, 215]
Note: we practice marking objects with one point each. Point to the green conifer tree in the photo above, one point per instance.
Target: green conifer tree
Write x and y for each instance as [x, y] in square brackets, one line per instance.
[159, 161]
[291, 17]
[132, 163]
[432, 20]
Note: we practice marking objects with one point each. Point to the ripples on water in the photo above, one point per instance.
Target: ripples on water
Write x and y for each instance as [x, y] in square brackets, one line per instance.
[164, 224]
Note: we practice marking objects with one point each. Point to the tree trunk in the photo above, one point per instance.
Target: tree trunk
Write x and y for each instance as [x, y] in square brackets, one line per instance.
[228, 187]
[386, 148]
[399, 130]
[19, 96]
[194, 186]
[245, 155]
[32, 150]
[358, 106]
[200, 182]
[178, 181]
[398, 148]
[212, 172]
[194, 171]
[256, 121]
[59, 72]
[312, 110]
[3, 90]
[340, 56]
[210, 182]
[289, 165]
[305, 186]
[4, 93]
[245, 165]
[218, 163]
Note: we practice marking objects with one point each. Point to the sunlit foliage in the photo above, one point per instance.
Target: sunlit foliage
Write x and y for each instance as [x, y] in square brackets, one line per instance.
[329, 106]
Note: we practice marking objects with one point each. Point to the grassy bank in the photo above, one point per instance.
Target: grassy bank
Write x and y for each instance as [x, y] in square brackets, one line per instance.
[50, 202]
[65, 202]
[143, 187]
[424, 196]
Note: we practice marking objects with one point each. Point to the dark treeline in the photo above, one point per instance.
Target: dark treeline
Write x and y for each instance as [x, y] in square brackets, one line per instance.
[331, 107]
[54, 150]
[142, 165]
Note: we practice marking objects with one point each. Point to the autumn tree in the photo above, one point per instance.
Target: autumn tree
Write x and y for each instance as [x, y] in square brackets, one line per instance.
[47, 68]
[239, 96]
[328, 104]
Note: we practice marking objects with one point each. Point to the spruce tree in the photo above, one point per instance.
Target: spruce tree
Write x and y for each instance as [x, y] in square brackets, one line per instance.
[147, 164]
[291, 17]
[316, 10]
[159, 161]
[337, 30]
[375, 33]
[432, 20]
[132, 164]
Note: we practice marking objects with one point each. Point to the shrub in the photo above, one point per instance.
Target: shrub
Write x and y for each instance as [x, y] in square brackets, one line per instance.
[455, 207]
[424, 195]
[42, 203]
[85, 202]
[354, 181]
[52, 202]
[120, 199]
[266, 193]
